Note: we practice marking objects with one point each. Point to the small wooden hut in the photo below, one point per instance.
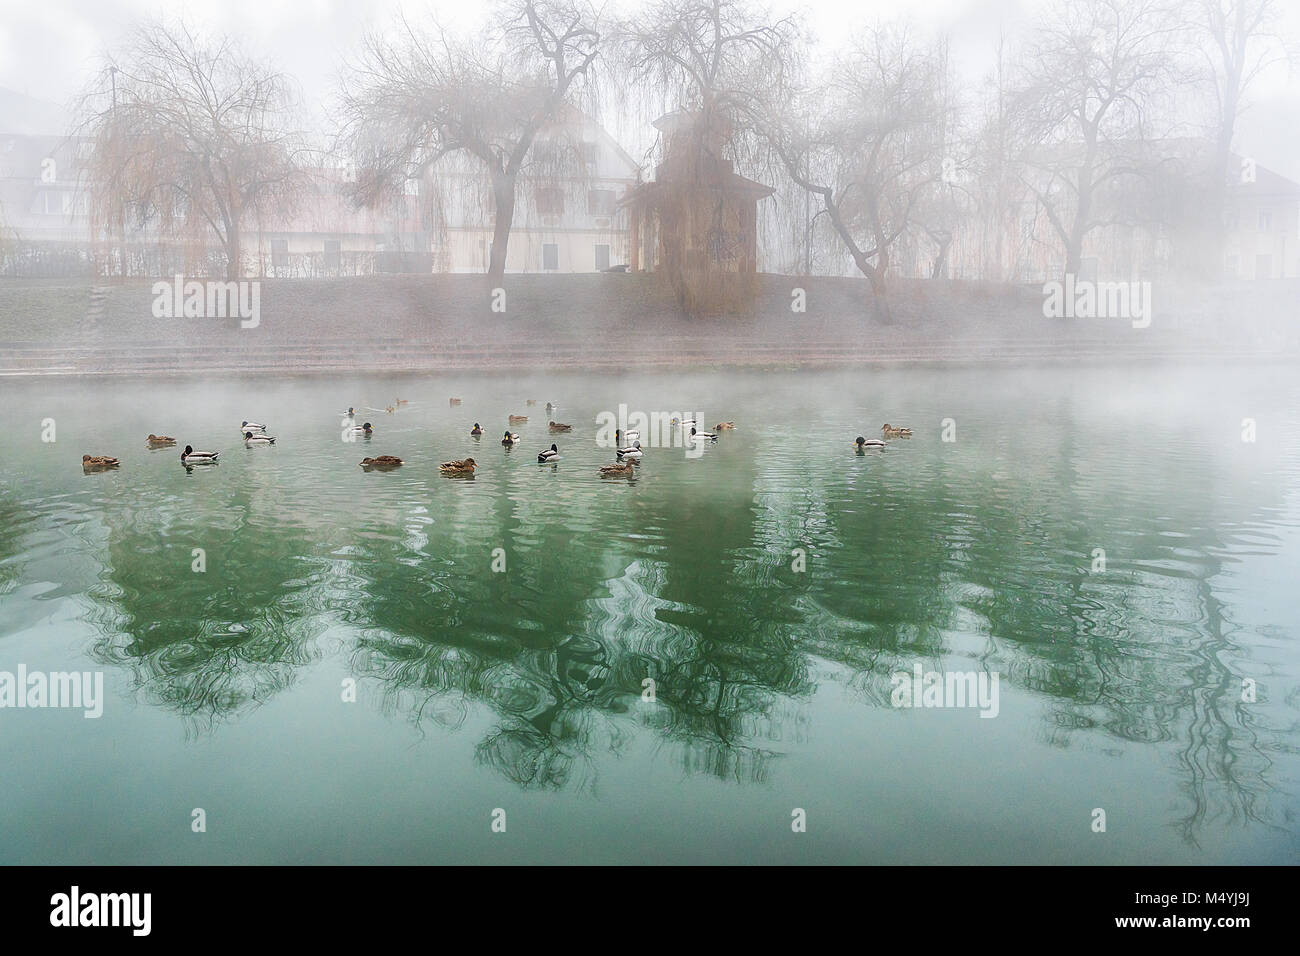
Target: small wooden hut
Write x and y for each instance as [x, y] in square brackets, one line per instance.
[695, 223]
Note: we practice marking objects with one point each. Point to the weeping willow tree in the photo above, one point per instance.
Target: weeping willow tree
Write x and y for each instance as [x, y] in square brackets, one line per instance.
[710, 69]
[190, 138]
[479, 101]
[723, 60]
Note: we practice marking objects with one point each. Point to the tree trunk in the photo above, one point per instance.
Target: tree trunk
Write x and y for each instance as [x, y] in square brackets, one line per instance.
[879, 297]
[503, 194]
[1233, 42]
[879, 288]
[1074, 243]
[233, 255]
[940, 269]
[1082, 213]
[878, 273]
[1215, 213]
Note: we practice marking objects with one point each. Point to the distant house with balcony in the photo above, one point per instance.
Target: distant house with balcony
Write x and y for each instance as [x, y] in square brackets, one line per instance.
[1152, 225]
[44, 215]
[324, 233]
[567, 215]
[1263, 225]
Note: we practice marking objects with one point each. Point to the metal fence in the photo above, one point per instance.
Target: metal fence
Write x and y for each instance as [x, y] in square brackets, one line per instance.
[47, 260]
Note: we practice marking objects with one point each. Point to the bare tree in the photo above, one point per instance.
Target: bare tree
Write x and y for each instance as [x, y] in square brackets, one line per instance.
[1093, 74]
[725, 60]
[949, 203]
[868, 143]
[190, 136]
[1240, 41]
[999, 193]
[421, 96]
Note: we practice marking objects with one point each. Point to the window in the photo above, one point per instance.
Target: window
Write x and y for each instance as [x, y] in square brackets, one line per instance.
[546, 153]
[722, 245]
[1265, 220]
[550, 257]
[600, 202]
[53, 202]
[550, 202]
[333, 254]
[591, 154]
[602, 257]
[279, 253]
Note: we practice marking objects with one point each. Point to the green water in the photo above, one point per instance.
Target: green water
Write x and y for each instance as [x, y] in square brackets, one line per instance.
[523, 689]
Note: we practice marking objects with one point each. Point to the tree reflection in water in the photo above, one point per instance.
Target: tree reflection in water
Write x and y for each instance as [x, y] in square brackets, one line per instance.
[968, 564]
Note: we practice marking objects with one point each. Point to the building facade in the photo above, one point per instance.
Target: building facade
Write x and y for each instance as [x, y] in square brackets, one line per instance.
[567, 215]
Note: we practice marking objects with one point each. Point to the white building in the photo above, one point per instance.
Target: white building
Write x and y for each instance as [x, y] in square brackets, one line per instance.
[567, 217]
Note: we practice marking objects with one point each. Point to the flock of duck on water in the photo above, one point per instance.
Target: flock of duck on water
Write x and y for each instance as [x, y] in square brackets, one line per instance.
[627, 443]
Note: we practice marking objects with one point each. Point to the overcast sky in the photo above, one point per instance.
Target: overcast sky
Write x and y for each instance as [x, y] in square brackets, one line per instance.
[49, 48]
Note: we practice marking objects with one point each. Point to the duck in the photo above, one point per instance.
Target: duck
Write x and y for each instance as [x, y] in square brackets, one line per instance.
[560, 427]
[98, 461]
[367, 429]
[402, 401]
[251, 439]
[191, 457]
[477, 430]
[531, 402]
[861, 444]
[461, 466]
[631, 452]
[453, 401]
[702, 436]
[251, 426]
[551, 407]
[628, 436]
[159, 440]
[889, 431]
[684, 422]
[509, 439]
[617, 471]
[551, 454]
[724, 426]
[350, 413]
[382, 461]
[518, 419]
